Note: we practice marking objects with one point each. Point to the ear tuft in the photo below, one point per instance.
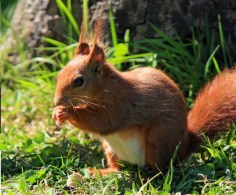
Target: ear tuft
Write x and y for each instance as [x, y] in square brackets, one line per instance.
[98, 31]
[83, 46]
[97, 54]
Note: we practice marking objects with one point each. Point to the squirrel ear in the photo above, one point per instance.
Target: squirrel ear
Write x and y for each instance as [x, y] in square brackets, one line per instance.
[97, 54]
[83, 46]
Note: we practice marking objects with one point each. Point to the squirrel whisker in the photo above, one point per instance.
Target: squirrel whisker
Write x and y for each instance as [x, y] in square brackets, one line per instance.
[112, 95]
[86, 97]
[74, 108]
[90, 103]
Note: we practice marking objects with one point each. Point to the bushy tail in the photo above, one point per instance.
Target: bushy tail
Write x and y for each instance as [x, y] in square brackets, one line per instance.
[213, 111]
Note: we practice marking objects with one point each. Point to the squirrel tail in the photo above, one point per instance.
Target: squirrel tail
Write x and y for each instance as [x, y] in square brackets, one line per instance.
[213, 111]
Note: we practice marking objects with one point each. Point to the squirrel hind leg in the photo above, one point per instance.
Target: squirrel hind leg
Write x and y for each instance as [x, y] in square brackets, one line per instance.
[161, 144]
[111, 162]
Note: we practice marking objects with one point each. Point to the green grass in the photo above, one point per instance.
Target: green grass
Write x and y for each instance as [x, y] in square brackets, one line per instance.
[37, 156]
[6, 11]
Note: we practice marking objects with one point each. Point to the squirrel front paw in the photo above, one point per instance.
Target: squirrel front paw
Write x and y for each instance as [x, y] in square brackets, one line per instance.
[60, 115]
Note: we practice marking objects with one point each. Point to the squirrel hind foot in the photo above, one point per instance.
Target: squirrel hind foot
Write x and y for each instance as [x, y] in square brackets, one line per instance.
[105, 171]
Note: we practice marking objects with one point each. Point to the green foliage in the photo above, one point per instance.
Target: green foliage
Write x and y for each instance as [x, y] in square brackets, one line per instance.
[6, 11]
[37, 156]
[66, 12]
[190, 62]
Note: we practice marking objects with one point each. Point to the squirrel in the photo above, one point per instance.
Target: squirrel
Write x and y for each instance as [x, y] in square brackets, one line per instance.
[140, 115]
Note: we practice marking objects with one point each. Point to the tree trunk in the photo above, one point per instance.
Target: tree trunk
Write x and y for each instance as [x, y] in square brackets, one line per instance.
[41, 18]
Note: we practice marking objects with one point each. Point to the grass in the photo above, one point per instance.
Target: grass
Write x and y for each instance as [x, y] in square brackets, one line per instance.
[6, 11]
[37, 156]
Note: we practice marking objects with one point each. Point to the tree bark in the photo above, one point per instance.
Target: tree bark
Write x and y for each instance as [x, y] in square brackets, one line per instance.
[41, 18]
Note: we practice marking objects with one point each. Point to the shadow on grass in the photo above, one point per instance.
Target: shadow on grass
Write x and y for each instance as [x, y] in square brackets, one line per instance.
[62, 155]
[60, 159]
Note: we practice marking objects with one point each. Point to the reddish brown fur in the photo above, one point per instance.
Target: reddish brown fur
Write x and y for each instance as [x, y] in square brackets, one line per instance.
[111, 162]
[144, 101]
[214, 110]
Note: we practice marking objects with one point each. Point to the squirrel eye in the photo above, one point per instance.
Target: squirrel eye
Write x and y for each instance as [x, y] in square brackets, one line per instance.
[78, 82]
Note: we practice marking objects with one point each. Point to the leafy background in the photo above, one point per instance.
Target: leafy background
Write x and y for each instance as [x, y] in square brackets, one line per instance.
[37, 156]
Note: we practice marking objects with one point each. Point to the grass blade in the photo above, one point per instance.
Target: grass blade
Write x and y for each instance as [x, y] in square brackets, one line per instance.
[222, 40]
[113, 28]
[69, 15]
[54, 42]
[209, 61]
[85, 14]
[107, 186]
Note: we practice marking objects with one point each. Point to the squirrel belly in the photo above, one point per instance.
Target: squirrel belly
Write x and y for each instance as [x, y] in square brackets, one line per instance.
[127, 146]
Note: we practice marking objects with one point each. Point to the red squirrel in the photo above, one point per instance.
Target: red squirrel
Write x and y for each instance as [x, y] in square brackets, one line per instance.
[139, 115]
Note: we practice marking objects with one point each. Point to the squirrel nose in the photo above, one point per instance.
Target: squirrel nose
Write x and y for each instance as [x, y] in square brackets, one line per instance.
[60, 100]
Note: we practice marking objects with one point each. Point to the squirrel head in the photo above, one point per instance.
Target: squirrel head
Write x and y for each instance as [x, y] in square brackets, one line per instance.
[85, 74]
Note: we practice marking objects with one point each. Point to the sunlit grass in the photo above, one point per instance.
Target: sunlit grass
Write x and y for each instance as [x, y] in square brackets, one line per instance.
[37, 156]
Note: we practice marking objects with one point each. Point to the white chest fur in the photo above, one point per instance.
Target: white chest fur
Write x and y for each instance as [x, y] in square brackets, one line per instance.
[127, 146]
